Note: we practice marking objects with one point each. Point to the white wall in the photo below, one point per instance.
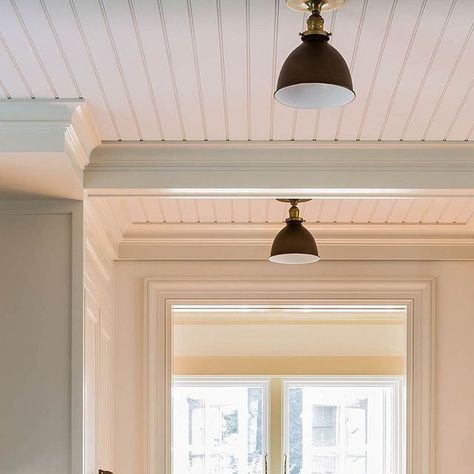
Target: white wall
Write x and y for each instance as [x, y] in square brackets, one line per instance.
[40, 306]
[454, 351]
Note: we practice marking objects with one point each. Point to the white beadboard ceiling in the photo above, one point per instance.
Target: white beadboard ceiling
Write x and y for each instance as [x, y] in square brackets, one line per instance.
[135, 210]
[206, 70]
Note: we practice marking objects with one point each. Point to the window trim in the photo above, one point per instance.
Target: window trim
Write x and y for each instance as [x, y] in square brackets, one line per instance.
[417, 294]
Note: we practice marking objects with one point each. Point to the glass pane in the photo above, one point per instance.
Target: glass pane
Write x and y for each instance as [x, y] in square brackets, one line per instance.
[324, 425]
[218, 429]
[324, 465]
[339, 430]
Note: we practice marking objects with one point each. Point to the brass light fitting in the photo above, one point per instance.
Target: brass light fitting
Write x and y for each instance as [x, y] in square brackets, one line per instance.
[315, 22]
[294, 244]
[315, 75]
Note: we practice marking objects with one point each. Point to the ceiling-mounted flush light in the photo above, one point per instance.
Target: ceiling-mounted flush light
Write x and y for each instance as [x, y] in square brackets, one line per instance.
[315, 75]
[294, 244]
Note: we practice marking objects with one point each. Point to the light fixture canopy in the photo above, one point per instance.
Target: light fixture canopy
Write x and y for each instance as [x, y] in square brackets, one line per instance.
[315, 75]
[294, 244]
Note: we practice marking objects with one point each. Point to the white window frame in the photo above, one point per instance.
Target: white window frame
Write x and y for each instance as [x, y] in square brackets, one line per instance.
[396, 383]
[415, 293]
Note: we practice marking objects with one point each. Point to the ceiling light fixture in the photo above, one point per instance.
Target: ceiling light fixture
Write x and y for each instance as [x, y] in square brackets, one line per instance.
[315, 75]
[294, 244]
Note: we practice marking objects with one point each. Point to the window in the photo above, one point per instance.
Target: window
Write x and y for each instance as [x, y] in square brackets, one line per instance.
[219, 426]
[337, 427]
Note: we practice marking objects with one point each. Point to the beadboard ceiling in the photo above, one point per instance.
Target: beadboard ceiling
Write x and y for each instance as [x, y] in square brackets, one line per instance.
[433, 211]
[206, 69]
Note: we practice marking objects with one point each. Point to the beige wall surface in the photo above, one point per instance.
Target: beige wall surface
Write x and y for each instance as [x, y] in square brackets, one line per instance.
[281, 366]
[288, 340]
[35, 344]
[454, 348]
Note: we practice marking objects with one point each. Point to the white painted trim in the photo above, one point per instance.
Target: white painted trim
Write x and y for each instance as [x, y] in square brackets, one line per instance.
[66, 122]
[367, 315]
[236, 232]
[452, 250]
[54, 126]
[74, 150]
[99, 254]
[417, 294]
[104, 235]
[286, 155]
[77, 338]
[74, 210]
[335, 242]
[285, 169]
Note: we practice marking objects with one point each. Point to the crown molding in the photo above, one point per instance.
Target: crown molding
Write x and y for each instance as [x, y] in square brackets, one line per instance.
[81, 136]
[48, 126]
[335, 242]
[373, 250]
[286, 155]
[45, 146]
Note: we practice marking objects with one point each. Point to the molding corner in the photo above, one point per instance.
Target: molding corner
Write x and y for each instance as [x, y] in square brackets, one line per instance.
[45, 146]
[81, 135]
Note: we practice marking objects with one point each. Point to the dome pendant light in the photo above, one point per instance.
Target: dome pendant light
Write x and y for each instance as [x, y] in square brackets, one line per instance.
[315, 75]
[294, 244]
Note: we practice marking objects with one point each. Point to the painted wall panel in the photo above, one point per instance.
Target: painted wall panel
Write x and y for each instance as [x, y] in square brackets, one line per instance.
[35, 344]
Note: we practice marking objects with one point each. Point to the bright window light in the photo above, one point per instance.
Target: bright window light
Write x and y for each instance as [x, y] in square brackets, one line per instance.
[219, 427]
[342, 428]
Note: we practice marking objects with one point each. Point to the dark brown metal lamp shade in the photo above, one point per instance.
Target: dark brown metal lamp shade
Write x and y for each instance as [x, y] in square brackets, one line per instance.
[294, 245]
[314, 76]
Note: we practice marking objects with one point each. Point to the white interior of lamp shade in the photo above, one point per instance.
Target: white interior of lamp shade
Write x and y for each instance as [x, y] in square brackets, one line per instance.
[294, 258]
[314, 96]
